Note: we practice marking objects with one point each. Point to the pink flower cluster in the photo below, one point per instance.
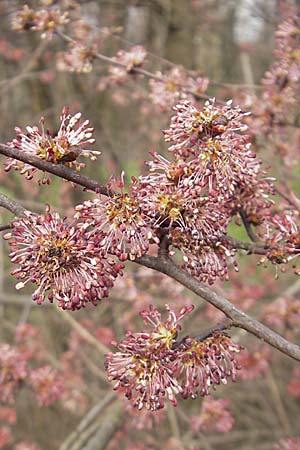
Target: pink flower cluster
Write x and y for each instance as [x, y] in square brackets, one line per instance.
[290, 443]
[214, 416]
[63, 148]
[277, 107]
[283, 236]
[167, 88]
[151, 366]
[45, 20]
[121, 227]
[13, 371]
[61, 258]
[47, 384]
[214, 174]
[124, 65]
[79, 58]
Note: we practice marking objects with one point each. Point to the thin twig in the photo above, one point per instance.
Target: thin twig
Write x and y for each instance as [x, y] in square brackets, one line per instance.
[83, 332]
[137, 70]
[227, 323]
[8, 226]
[247, 226]
[11, 205]
[87, 420]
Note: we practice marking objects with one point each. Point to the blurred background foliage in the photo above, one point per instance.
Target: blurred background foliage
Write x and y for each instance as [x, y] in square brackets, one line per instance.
[230, 42]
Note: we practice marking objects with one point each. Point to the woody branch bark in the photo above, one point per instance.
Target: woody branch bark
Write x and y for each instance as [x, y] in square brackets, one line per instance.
[56, 169]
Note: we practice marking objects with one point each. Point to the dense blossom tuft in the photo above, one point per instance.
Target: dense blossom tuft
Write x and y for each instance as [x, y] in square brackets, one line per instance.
[47, 385]
[222, 156]
[214, 416]
[79, 58]
[291, 443]
[45, 20]
[204, 260]
[150, 366]
[13, 370]
[63, 148]
[174, 84]
[142, 368]
[205, 364]
[121, 228]
[59, 258]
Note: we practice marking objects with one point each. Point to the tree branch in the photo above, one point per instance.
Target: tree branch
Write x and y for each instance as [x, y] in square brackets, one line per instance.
[8, 226]
[137, 70]
[247, 225]
[250, 247]
[238, 317]
[11, 205]
[56, 169]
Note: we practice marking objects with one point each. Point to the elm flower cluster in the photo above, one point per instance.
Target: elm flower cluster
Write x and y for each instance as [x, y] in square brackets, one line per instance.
[125, 64]
[13, 370]
[290, 443]
[171, 199]
[213, 176]
[222, 156]
[151, 367]
[277, 105]
[194, 222]
[283, 234]
[79, 58]
[132, 59]
[60, 258]
[47, 385]
[120, 227]
[173, 85]
[205, 364]
[63, 148]
[205, 261]
[214, 416]
[45, 20]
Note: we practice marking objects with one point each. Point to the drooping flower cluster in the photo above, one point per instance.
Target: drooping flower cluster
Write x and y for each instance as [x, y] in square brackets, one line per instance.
[283, 237]
[292, 443]
[214, 175]
[60, 258]
[47, 385]
[167, 88]
[221, 156]
[121, 227]
[132, 59]
[13, 371]
[45, 20]
[79, 58]
[150, 366]
[276, 110]
[63, 148]
[214, 416]
[123, 65]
